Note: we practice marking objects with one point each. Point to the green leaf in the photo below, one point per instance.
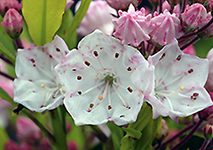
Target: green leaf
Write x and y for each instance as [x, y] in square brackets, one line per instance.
[116, 133]
[6, 97]
[133, 133]
[4, 138]
[144, 117]
[82, 10]
[43, 18]
[6, 44]
[127, 143]
[64, 30]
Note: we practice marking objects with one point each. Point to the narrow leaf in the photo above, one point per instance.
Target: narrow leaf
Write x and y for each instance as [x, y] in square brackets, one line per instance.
[4, 138]
[6, 97]
[82, 10]
[127, 143]
[43, 18]
[133, 133]
[116, 133]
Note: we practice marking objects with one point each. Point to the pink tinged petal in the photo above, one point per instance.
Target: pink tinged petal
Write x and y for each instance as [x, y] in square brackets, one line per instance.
[175, 86]
[209, 83]
[90, 97]
[36, 79]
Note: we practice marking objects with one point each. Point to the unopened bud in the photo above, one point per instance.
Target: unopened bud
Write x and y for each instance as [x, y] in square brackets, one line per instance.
[7, 4]
[164, 131]
[208, 131]
[13, 23]
[210, 6]
[121, 4]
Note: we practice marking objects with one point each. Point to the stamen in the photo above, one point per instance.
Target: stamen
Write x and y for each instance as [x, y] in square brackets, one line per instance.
[56, 93]
[79, 77]
[109, 99]
[125, 105]
[48, 89]
[129, 69]
[172, 93]
[105, 91]
[95, 53]
[116, 55]
[90, 89]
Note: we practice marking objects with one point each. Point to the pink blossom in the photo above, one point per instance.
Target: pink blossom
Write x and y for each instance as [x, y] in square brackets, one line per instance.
[13, 23]
[210, 6]
[98, 16]
[27, 130]
[72, 145]
[167, 28]
[195, 17]
[11, 145]
[7, 4]
[121, 4]
[133, 27]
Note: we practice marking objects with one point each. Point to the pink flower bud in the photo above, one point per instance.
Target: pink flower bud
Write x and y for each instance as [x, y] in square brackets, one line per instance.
[13, 23]
[164, 131]
[45, 144]
[27, 130]
[167, 28]
[121, 4]
[11, 145]
[167, 6]
[210, 6]
[72, 145]
[133, 27]
[195, 17]
[208, 131]
[7, 4]
[25, 146]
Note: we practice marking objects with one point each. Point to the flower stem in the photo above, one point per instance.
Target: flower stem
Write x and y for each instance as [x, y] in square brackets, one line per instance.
[176, 136]
[205, 144]
[7, 76]
[18, 43]
[189, 43]
[63, 119]
[6, 59]
[187, 137]
[58, 131]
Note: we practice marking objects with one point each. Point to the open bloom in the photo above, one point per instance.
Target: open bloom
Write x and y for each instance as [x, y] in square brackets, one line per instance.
[35, 87]
[100, 80]
[133, 27]
[179, 81]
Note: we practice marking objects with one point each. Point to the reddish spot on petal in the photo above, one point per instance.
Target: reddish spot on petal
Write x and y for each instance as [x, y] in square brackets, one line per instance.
[109, 107]
[162, 56]
[32, 60]
[34, 65]
[116, 55]
[57, 49]
[130, 89]
[95, 53]
[101, 48]
[30, 80]
[179, 58]
[87, 63]
[74, 69]
[122, 116]
[79, 92]
[91, 105]
[113, 46]
[190, 71]
[129, 69]
[42, 106]
[50, 56]
[79, 77]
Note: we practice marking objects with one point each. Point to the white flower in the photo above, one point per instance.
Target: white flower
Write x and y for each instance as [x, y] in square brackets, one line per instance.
[179, 81]
[35, 87]
[100, 81]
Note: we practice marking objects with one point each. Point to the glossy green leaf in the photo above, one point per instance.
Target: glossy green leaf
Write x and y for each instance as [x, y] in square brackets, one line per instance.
[127, 143]
[132, 132]
[116, 133]
[4, 138]
[82, 10]
[64, 30]
[6, 97]
[6, 44]
[43, 18]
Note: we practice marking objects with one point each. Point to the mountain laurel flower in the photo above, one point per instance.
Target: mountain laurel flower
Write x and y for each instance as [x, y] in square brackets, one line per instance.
[13, 23]
[100, 80]
[179, 81]
[195, 17]
[133, 27]
[35, 87]
[94, 18]
[122, 4]
[167, 28]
